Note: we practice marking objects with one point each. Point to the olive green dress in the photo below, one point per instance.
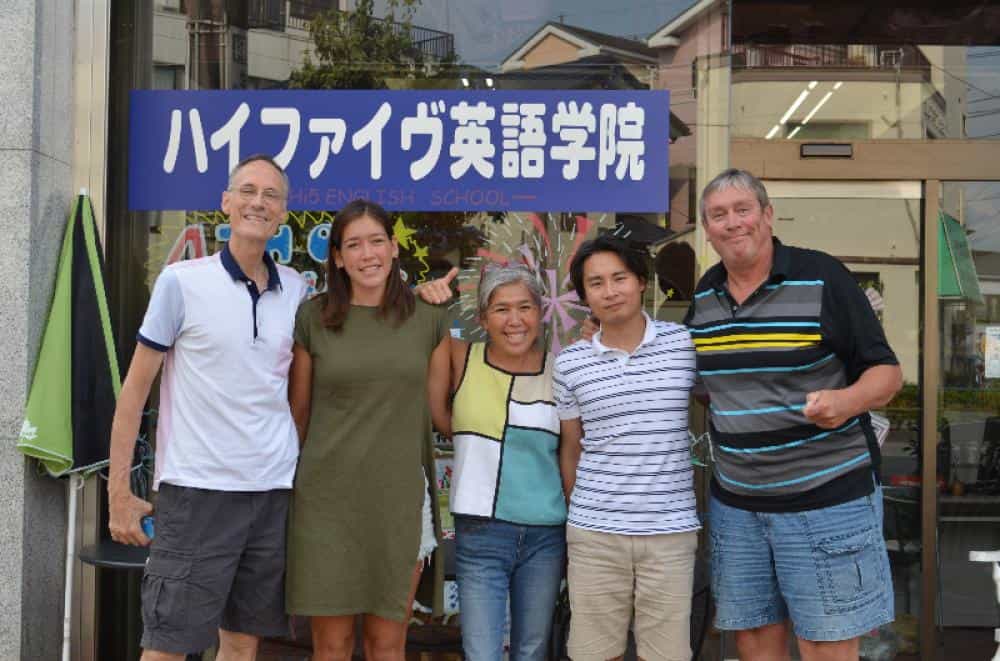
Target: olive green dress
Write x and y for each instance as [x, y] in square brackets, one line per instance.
[355, 519]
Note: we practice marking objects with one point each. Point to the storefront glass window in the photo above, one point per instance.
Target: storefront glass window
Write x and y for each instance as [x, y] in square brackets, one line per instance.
[767, 91]
[429, 44]
[849, 92]
[444, 45]
[969, 398]
[843, 92]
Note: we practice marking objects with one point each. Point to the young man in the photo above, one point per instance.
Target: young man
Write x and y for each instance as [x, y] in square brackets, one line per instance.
[226, 448]
[792, 358]
[623, 400]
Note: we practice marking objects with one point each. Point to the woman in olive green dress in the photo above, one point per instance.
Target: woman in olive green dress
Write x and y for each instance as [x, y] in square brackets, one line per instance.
[359, 519]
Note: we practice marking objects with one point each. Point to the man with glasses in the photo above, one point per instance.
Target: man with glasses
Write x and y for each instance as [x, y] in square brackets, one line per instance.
[792, 359]
[221, 327]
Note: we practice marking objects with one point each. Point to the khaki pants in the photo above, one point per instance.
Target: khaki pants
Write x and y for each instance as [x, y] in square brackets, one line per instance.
[611, 575]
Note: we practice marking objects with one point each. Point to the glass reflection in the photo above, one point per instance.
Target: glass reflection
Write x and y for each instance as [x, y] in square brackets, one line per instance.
[429, 44]
[864, 91]
[437, 44]
[969, 398]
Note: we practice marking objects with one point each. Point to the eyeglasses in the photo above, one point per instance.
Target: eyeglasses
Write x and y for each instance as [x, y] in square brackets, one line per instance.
[270, 195]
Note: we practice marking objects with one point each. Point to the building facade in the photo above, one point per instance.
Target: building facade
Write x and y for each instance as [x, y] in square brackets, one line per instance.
[874, 133]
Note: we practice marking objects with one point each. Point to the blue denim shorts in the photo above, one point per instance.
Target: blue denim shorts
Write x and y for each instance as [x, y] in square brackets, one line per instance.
[825, 569]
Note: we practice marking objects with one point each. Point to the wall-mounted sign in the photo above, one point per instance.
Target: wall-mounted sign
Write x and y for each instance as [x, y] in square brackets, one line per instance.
[407, 150]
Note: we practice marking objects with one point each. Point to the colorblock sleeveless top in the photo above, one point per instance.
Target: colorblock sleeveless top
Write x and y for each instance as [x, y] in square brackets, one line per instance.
[506, 436]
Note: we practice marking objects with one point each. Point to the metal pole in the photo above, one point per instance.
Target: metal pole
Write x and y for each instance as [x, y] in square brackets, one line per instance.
[75, 484]
[930, 383]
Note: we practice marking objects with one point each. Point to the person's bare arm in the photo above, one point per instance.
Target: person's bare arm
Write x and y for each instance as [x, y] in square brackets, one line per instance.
[459, 351]
[570, 449]
[124, 508]
[439, 386]
[876, 386]
[437, 291]
[300, 390]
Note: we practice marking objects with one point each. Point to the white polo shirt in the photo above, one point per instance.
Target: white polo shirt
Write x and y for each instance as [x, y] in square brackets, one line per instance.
[634, 476]
[224, 422]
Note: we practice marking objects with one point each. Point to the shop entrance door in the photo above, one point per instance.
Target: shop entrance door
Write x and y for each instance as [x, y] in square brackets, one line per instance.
[901, 211]
[968, 418]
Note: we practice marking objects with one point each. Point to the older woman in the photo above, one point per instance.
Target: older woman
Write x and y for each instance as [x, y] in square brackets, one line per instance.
[506, 493]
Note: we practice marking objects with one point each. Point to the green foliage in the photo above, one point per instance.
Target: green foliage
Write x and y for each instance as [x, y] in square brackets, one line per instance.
[356, 50]
[961, 399]
[904, 409]
[982, 399]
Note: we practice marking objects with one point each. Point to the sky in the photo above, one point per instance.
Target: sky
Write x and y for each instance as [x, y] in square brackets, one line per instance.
[487, 31]
[982, 214]
[982, 200]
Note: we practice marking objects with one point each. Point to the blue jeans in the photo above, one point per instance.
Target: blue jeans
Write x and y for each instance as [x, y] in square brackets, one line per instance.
[825, 569]
[494, 560]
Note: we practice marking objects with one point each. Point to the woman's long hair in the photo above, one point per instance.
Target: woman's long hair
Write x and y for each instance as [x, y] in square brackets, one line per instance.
[397, 301]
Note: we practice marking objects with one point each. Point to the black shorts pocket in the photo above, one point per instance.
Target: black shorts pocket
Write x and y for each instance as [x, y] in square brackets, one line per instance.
[848, 570]
[173, 514]
[164, 589]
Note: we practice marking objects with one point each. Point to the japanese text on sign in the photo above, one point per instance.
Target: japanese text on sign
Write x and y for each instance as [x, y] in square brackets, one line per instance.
[426, 151]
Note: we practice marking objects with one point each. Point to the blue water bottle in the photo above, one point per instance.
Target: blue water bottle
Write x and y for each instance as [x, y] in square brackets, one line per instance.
[147, 526]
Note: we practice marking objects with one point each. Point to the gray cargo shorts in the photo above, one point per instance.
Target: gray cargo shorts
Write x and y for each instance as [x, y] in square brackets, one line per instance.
[217, 561]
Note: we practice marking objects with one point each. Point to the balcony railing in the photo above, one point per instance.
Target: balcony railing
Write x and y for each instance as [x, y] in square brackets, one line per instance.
[834, 56]
[431, 44]
[300, 12]
[266, 15]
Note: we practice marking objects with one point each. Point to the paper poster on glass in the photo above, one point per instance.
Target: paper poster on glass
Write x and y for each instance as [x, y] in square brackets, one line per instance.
[991, 352]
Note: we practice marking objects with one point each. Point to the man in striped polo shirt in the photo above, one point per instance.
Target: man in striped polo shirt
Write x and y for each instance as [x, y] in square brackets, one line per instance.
[622, 398]
[792, 359]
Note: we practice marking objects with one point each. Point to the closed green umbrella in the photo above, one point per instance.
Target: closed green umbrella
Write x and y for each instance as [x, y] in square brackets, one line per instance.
[71, 404]
[67, 423]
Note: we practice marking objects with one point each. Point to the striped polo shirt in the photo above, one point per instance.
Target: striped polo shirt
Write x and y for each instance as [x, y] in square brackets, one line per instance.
[808, 327]
[634, 475]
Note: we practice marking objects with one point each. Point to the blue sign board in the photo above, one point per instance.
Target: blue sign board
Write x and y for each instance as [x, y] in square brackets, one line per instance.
[484, 150]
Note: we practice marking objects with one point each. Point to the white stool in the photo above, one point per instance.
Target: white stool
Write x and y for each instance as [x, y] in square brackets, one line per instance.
[994, 557]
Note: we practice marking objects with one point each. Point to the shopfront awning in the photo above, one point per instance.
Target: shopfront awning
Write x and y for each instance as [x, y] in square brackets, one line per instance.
[957, 277]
